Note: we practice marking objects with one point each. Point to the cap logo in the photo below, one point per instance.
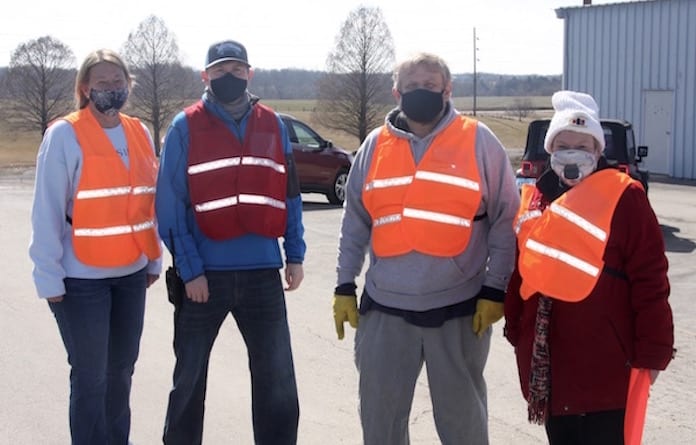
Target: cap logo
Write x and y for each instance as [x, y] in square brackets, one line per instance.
[228, 49]
[578, 122]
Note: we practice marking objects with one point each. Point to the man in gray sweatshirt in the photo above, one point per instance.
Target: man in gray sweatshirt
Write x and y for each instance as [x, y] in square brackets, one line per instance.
[431, 195]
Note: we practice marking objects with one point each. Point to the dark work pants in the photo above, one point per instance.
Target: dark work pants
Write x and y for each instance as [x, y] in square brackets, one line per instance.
[598, 428]
[257, 302]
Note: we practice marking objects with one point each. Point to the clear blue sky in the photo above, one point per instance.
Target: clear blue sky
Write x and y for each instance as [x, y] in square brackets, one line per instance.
[514, 36]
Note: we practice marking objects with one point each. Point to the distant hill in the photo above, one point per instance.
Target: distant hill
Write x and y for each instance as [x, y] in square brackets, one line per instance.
[302, 84]
[505, 85]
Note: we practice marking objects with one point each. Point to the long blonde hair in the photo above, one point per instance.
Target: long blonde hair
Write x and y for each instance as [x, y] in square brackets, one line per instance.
[95, 57]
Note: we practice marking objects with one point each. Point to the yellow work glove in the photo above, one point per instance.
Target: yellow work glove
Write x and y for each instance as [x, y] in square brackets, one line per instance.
[487, 313]
[345, 308]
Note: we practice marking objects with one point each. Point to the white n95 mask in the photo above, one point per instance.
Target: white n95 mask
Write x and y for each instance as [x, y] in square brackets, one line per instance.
[572, 165]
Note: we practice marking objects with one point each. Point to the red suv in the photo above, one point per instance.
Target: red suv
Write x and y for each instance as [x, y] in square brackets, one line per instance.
[321, 166]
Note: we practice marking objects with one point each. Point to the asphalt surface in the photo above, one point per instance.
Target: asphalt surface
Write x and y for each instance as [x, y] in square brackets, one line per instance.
[34, 371]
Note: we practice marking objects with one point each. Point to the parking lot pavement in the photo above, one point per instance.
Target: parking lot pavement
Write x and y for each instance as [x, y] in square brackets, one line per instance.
[34, 372]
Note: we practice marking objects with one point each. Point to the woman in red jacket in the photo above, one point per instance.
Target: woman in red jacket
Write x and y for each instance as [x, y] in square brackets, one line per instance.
[588, 300]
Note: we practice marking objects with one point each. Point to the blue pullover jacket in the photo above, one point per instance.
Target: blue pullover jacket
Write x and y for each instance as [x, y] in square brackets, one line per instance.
[193, 251]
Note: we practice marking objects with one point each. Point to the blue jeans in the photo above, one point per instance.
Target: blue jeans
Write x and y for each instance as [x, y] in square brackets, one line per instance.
[257, 302]
[101, 322]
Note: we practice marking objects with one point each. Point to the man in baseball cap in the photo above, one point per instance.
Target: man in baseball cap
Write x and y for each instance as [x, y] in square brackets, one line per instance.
[227, 191]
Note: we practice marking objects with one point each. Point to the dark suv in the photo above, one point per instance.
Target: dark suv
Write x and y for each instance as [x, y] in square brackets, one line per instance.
[620, 150]
[321, 166]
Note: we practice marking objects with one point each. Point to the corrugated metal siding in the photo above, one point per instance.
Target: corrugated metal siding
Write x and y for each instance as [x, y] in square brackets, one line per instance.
[617, 51]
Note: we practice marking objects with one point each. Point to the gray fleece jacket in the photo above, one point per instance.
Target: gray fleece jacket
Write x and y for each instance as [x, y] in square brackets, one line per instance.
[420, 282]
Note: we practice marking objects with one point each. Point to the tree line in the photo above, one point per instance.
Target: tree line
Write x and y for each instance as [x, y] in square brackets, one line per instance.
[302, 84]
[299, 84]
[350, 94]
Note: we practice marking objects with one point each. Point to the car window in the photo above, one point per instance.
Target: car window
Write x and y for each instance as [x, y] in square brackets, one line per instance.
[630, 145]
[541, 138]
[306, 136]
[291, 130]
[609, 144]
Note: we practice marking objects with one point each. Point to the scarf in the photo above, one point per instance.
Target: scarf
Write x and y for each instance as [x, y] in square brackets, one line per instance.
[239, 107]
[540, 374]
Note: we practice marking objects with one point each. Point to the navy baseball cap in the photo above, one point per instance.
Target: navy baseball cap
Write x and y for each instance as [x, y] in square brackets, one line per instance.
[225, 51]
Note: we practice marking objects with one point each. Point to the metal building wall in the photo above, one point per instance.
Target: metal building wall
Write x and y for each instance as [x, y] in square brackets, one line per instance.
[618, 51]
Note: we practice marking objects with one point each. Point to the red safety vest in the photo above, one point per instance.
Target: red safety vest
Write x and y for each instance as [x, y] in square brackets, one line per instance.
[237, 188]
[113, 216]
[428, 208]
[562, 250]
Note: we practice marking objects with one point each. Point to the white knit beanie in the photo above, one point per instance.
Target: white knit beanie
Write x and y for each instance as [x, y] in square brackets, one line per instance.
[577, 112]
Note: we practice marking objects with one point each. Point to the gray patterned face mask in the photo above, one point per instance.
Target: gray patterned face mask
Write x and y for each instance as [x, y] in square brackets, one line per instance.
[109, 101]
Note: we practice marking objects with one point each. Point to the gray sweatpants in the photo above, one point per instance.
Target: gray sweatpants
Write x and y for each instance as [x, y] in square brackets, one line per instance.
[389, 355]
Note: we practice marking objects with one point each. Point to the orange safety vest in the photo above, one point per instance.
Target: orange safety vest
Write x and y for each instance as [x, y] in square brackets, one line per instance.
[562, 250]
[113, 216]
[237, 187]
[430, 207]
[530, 210]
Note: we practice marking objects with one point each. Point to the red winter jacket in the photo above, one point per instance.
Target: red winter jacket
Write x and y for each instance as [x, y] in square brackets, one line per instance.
[625, 322]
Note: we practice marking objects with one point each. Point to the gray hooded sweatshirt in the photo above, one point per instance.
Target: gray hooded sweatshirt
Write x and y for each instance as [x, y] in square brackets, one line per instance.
[420, 282]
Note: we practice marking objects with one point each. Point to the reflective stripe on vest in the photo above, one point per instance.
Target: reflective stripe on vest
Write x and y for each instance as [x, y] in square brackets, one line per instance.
[233, 162]
[113, 214]
[427, 208]
[561, 254]
[237, 187]
[241, 199]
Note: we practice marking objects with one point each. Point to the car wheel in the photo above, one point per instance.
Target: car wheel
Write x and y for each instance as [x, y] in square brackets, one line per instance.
[337, 194]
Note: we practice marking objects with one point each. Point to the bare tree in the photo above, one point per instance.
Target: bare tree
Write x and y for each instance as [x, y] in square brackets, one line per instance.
[354, 93]
[521, 107]
[40, 82]
[3, 83]
[162, 84]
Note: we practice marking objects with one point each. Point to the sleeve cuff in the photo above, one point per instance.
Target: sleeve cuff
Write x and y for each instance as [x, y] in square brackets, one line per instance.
[491, 293]
[347, 289]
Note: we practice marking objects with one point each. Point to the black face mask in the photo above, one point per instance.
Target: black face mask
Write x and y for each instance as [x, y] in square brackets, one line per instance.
[228, 88]
[422, 105]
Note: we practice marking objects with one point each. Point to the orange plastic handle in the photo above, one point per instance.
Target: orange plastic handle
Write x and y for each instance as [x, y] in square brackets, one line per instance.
[636, 405]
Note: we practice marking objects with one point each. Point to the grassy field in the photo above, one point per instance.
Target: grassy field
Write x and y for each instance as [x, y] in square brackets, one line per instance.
[19, 147]
[492, 111]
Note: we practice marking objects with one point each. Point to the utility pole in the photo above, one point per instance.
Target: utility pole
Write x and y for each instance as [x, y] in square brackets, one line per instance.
[475, 57]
